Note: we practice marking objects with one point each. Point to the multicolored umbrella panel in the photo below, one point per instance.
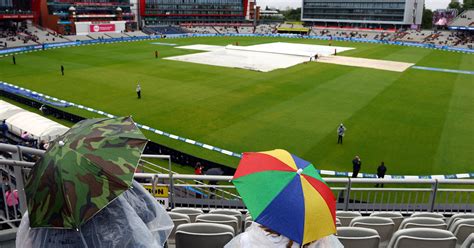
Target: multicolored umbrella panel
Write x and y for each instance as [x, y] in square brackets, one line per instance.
[83, 171]
[286, 194]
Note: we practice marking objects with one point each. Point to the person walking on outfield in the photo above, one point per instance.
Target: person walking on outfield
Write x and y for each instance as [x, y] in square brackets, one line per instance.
[356, 165]
[62, 70]
[139, 91]
[381, 170]
[14, 60]
[341, 130]
[156, 54]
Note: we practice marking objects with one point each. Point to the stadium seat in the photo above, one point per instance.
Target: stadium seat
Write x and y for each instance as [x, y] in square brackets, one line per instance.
[457, 217]
[358, 237]
[346, 216]
[191, 212]
[429, 215]
[177, 219]
[203, 235]
[395, 216]
[231, 212]
[248, 222]
[422, 238]
[338, 222]
[384, 226]
[469, 242]
[219, 219]
[462, 229]
[423, 222]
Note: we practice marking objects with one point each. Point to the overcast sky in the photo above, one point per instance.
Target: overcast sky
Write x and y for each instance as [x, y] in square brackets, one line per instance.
[431, 4]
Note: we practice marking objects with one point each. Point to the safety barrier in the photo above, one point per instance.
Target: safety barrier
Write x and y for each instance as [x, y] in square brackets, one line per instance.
[445, 196]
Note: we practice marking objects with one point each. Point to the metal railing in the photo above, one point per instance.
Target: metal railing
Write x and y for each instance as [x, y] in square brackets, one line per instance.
[365, 195]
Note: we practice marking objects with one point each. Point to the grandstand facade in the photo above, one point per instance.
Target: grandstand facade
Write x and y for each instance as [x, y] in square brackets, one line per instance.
[169, 12]
[357, 13]
[62, 15]
[18, 10]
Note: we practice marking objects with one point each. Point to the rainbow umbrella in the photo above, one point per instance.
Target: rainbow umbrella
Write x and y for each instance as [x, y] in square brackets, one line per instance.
[286, 194]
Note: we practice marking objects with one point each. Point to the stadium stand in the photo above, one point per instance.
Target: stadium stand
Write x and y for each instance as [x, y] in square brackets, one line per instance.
[203, 235]
[423, 222]
[421, 238]
[465, 19]
[178, 219]
[230, 212]
[457, 217]
[191, 212]
[164, 30]
[384, 226]
[371, 34]
[397, 218]
[78, 37]
[469, 242]
[462, 229]
[266, 29]
[229, 220]
[428, 215]
[346, 217]
[358, 237]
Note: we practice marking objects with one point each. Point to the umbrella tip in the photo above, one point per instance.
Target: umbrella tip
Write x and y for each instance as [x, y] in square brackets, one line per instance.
[299, 171]
[61, 143]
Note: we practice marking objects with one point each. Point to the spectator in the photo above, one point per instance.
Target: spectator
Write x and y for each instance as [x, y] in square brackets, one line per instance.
[198, 168]
[25, 136]
[381, 170]
[11, 197]
[356, 165]
[260, 236]
[4, 129]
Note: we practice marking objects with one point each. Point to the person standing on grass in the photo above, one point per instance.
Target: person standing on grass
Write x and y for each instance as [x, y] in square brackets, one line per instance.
[14, 60]
[341, 130]
[356, 165]
[62, 70]
[381, 170]
[156, 54]
[139, 91]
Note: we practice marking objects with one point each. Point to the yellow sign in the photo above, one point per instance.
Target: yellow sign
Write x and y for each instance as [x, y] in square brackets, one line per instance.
[160, 191]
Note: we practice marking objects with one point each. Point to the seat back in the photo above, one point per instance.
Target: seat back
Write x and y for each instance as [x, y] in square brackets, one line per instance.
[203, 235]
[469, 242]
[191, 212]
[358, 237]
[384, 226]
[346, 217]
[231, 212]
[423, 222]
[457, 217]
[177, 219]
[248, 222]
[395, 216]
[338, 222]
[429, 215]
[462, 229]
[422, 238]
[229, 220]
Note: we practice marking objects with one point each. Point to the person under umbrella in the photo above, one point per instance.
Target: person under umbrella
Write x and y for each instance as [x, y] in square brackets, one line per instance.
[134, 219]
[288, 199]
[215, 172]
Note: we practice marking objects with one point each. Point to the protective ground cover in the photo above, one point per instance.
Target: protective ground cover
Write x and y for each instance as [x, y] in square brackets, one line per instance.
[263, 57]
[418, 122]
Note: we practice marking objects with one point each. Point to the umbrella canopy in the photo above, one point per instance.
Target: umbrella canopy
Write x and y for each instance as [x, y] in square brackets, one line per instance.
[83, 171]
[286, 194]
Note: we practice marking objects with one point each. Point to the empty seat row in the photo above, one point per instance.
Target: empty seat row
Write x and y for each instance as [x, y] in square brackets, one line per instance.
[210, 235]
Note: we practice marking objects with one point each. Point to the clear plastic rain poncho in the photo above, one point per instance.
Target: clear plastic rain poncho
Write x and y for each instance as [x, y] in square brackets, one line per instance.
[255, 236]
[134, 219]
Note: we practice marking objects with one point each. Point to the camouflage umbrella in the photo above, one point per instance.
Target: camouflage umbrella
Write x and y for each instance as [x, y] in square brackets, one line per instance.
[83, 170]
